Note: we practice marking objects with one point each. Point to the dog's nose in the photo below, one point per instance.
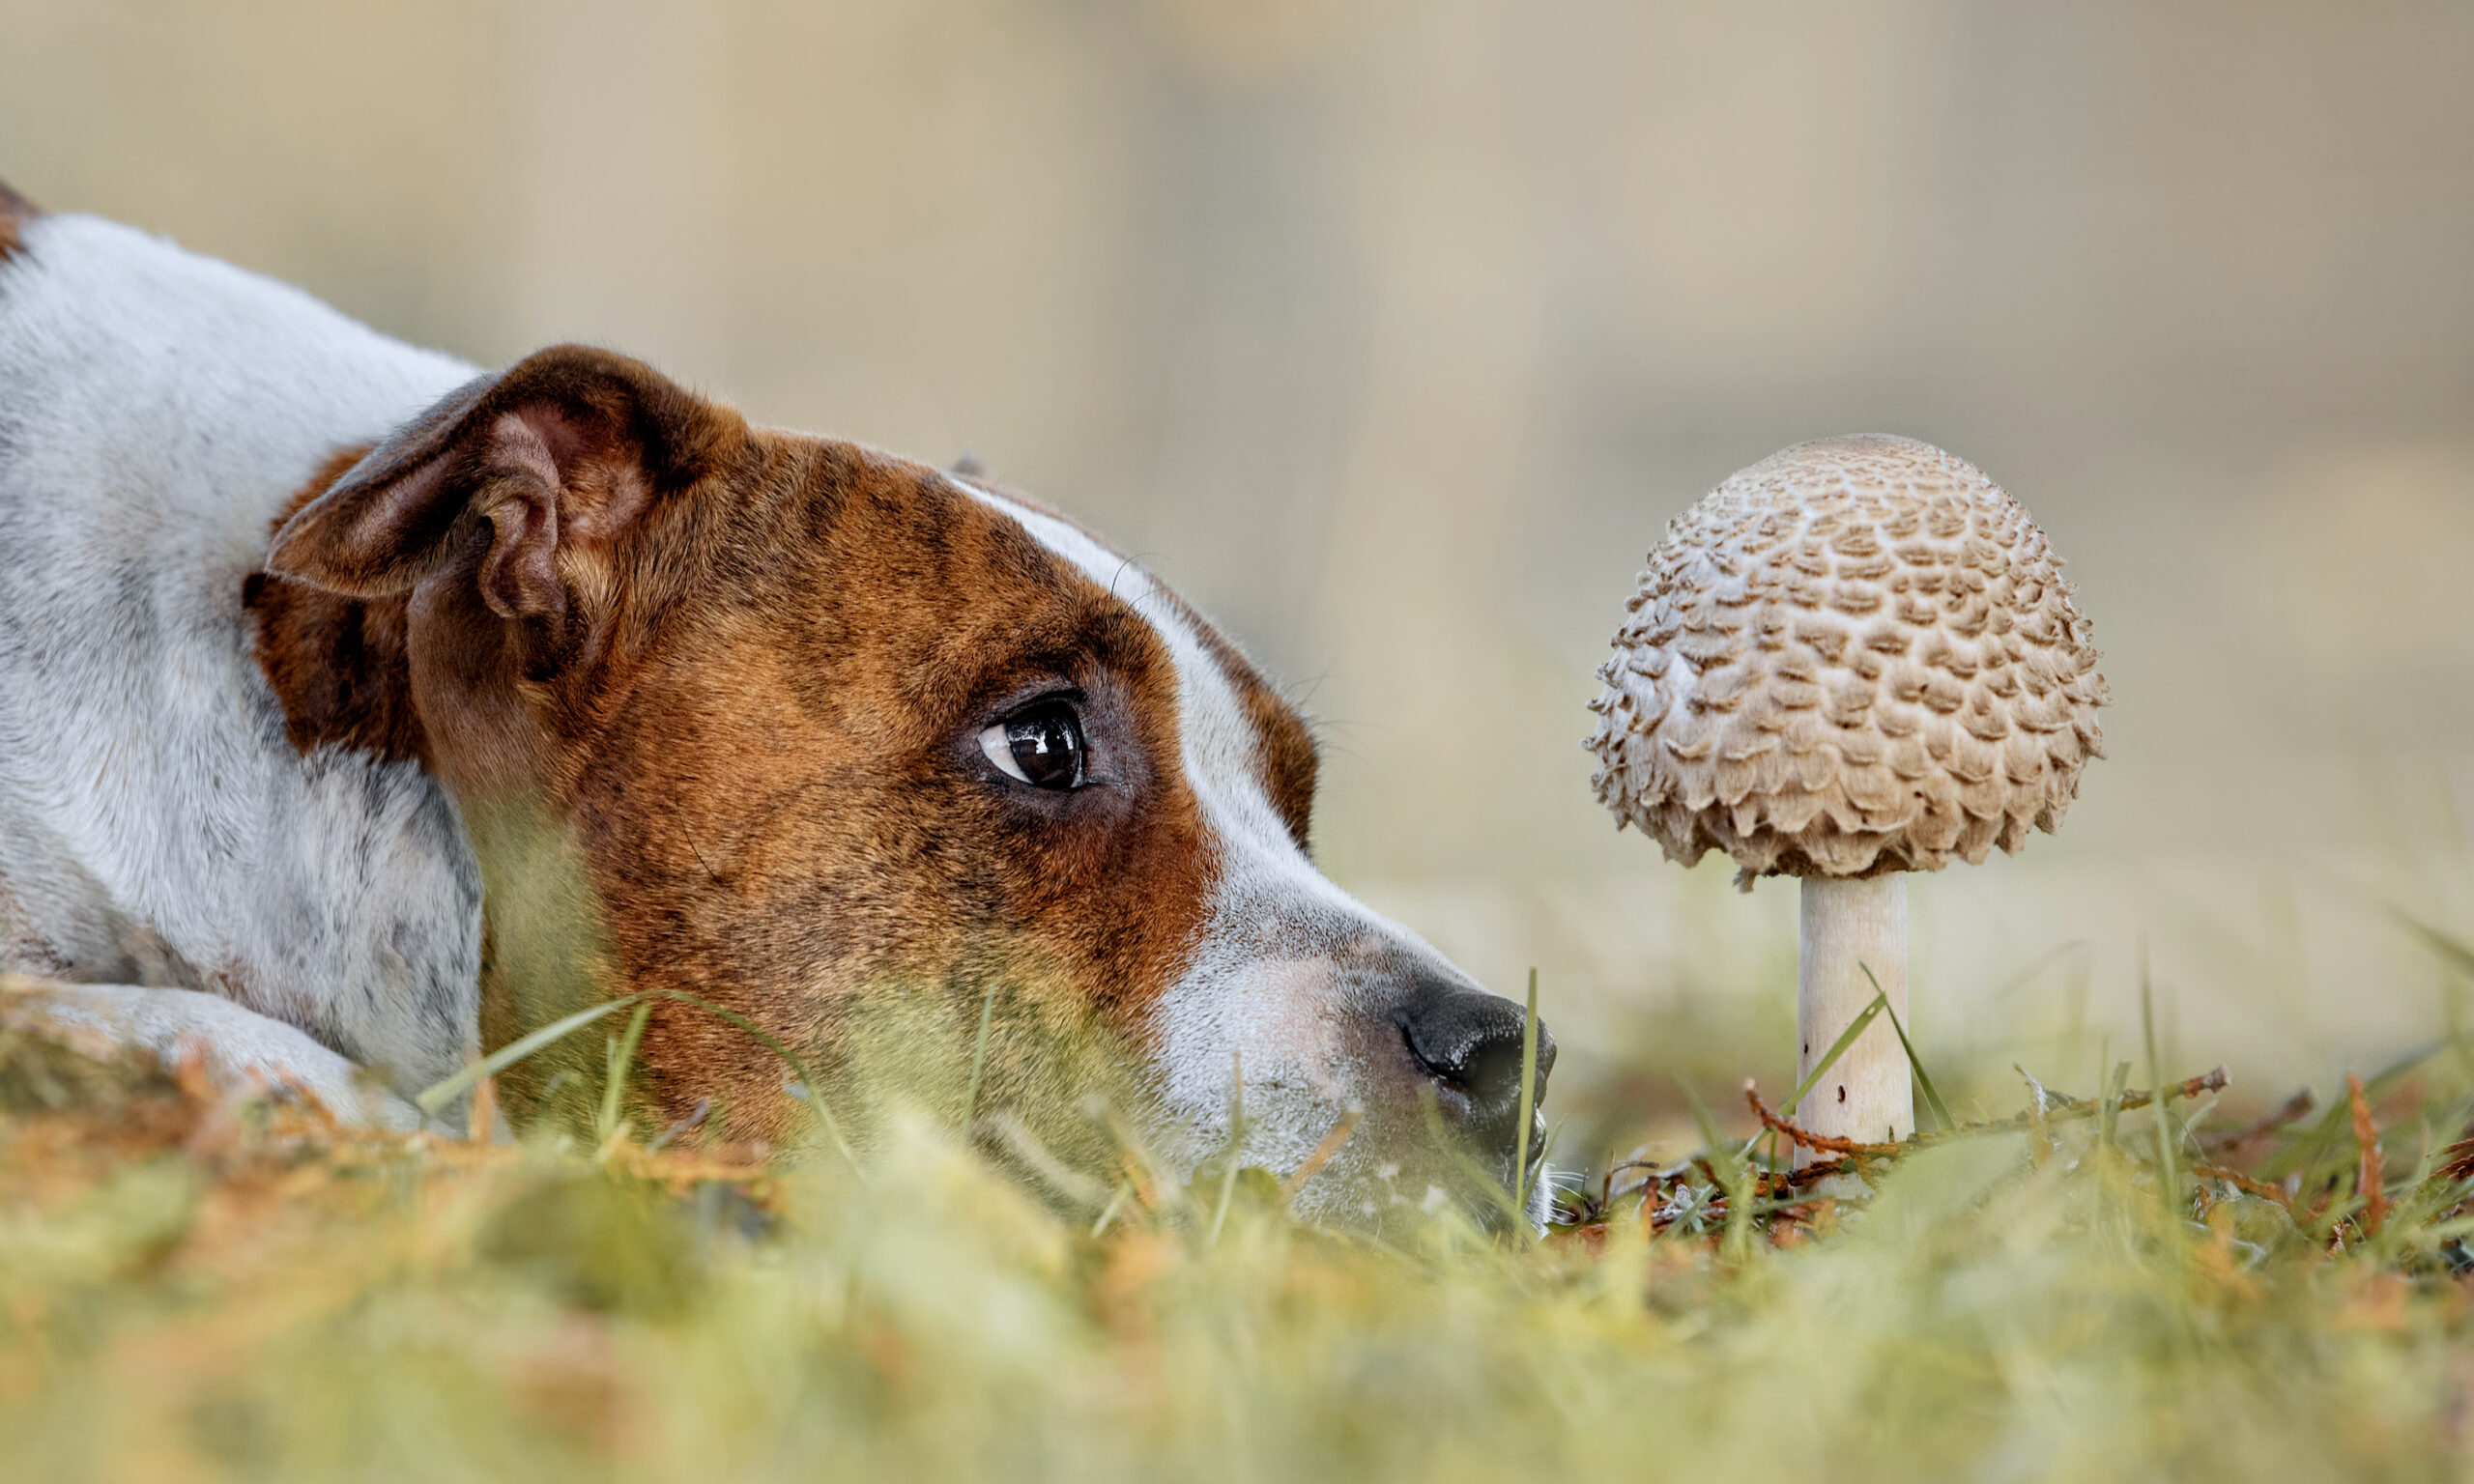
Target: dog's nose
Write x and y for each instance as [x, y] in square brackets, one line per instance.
[1469, 1041]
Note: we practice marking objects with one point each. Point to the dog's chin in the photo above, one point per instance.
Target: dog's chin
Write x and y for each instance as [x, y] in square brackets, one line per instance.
[1388, 1198]
[1386, 1176]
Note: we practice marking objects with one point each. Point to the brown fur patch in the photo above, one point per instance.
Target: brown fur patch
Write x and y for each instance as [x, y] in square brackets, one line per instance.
[790, 813]
[338, 663]
[751, 710]
[16, 211]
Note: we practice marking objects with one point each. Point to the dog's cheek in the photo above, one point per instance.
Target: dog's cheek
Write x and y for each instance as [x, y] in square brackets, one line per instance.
[1270, 1022]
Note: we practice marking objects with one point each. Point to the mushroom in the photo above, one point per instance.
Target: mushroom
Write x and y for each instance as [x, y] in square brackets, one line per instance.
[1854, 658]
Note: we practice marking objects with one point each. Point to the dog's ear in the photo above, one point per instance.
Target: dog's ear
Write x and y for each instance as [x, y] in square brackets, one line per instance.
[547, 462]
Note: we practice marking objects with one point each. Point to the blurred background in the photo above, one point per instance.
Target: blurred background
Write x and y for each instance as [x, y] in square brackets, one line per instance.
[1394, 333]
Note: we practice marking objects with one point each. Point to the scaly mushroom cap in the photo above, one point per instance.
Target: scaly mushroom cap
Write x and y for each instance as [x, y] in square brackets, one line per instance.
[1857, 656]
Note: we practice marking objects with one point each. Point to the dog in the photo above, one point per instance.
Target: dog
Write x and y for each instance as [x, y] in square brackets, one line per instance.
[325, 662]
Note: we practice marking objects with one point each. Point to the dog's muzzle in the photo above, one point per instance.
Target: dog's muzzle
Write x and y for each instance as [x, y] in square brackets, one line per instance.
[1467, 1043]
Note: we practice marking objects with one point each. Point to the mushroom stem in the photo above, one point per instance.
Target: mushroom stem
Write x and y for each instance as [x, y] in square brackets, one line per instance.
[1850, 926]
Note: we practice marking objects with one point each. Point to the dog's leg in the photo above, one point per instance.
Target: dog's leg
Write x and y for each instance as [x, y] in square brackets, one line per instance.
[243, 1051]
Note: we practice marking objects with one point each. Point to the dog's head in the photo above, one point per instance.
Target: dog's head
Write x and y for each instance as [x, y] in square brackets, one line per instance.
[824, 727]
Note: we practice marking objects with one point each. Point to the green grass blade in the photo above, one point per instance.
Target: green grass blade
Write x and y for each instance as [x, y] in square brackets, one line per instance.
[790, 1058]
[1837, 1050]
[437, 1097]
[2451, 950]
[2109, 1106]
[978, 1060]
[1220, 1209]
[623, 1057]
[1528, 1097]
[1236, 1142]
[1108, 1212]
[1732, 1176]
[446, 1091]
[1914, 1063]
[2169, 1165]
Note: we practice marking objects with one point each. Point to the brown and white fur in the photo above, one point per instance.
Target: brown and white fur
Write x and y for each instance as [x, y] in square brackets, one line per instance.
[257, 795]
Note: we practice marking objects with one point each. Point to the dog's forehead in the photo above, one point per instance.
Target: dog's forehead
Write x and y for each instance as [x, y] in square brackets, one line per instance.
[1222, 751]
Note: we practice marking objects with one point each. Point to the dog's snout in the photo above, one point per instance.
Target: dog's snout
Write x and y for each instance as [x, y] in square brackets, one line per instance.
[1469, 1041]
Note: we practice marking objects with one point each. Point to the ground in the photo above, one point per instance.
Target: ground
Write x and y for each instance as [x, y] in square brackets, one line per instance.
[195, 1289]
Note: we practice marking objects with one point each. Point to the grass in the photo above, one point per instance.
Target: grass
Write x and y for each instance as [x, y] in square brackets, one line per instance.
[2117, 1286]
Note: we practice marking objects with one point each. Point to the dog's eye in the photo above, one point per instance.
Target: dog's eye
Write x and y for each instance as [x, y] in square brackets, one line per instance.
[1042, 746]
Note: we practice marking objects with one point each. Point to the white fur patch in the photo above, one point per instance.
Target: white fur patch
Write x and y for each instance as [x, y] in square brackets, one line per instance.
[157, 410]
[244, 1053]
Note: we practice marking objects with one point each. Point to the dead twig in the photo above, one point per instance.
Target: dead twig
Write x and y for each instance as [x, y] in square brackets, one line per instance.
[2295, 1107]
[1813, 1174]
[2063, 1107]
[2456, 1161]
[1774, 1184]
[2214, 1080]
[1806, 1138]
[2244, 1183]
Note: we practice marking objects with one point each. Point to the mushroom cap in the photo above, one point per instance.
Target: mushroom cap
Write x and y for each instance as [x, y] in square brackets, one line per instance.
[1857, 656]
